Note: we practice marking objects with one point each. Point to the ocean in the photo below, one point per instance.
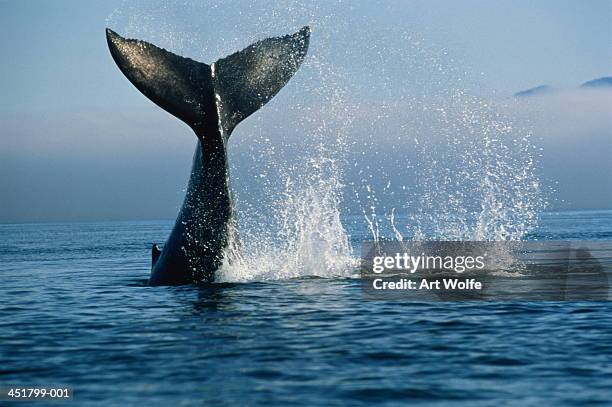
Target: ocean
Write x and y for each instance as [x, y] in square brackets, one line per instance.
[75, 311]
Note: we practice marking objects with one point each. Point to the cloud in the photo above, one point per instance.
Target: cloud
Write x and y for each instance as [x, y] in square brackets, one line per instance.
[134, 164]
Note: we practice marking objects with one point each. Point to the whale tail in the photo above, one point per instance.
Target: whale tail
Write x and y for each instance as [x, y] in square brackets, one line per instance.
[217, 96]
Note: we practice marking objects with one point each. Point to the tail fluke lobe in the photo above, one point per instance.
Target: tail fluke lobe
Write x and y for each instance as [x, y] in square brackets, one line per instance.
[248, 79]
[181, 86]
[205, 96]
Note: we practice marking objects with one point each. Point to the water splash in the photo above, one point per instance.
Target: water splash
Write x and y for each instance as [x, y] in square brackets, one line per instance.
[484, 185]
[311, 240]
[299, 231]
[445, 164]
[422, 157]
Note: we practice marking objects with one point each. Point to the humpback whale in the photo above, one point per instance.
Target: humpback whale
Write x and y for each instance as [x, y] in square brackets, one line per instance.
[211, 100]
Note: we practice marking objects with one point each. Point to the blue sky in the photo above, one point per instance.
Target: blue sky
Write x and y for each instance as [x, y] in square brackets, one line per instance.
[55, 56]
[62, 97]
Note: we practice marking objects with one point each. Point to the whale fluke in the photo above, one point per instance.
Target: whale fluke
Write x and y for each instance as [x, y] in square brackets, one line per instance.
[212, 100]
[233, 88]
[181, 86]
[248, 79]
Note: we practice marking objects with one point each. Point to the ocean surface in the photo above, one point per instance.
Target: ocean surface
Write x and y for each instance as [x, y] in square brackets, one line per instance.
[75, 311]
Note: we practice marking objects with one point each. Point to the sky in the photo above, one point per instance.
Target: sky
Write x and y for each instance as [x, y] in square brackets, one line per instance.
[78, 142]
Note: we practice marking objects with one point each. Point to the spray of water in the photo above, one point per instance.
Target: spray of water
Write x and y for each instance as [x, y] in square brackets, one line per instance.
[483, 184]
[446, 164]
[420, 158]
[300, 232]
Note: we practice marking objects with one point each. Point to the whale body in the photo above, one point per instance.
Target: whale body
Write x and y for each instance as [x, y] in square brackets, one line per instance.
[211, 100]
